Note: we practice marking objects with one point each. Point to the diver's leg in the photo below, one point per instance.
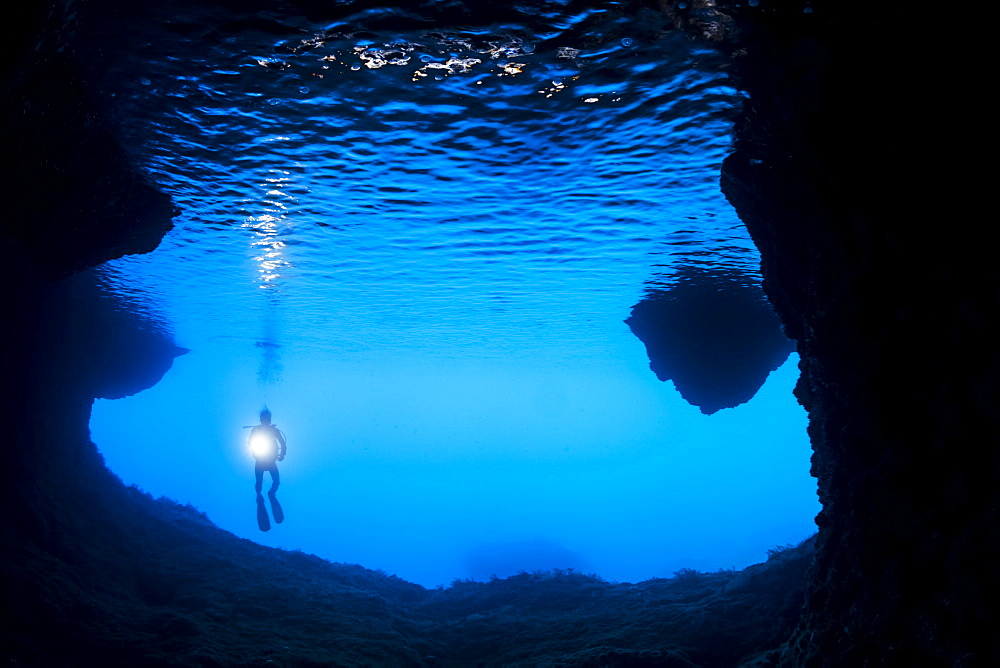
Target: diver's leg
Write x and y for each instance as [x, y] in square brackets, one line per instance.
[279, 514]
[259, 478]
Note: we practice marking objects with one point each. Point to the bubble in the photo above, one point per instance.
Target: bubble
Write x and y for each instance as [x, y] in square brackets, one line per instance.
[144, 81]
[274, 102]
[807, 10]
[355, 68]
[682, 5]
[528, 48]
[754, 3]
[627, 41]
[303, 89]
[426, 57]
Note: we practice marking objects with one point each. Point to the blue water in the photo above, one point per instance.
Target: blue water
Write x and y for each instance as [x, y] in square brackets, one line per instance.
[418, 250]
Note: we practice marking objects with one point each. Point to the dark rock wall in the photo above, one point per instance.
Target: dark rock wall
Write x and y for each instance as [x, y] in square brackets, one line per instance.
[862, 211]
[72, 196]
[73, 199]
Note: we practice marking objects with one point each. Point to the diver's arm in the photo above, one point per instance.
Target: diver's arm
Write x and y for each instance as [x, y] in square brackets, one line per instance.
[281, 444]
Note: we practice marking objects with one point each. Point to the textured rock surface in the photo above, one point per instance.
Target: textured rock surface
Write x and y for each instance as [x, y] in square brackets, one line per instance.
[844, 178]
[72, 196]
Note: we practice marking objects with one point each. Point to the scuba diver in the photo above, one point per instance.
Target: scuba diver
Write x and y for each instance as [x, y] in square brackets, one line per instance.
[267, 444]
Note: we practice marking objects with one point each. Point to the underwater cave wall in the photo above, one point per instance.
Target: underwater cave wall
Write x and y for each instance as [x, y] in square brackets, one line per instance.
[843, 175]
[73, 199]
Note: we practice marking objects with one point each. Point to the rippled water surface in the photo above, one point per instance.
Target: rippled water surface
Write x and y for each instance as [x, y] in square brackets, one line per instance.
[418, 247]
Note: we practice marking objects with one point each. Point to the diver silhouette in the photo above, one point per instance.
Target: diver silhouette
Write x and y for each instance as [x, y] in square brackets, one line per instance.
[267, 444]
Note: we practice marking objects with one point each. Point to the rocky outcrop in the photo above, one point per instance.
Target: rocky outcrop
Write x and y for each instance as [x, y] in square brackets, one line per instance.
[73, 197]
[844, 183]
[713, 334]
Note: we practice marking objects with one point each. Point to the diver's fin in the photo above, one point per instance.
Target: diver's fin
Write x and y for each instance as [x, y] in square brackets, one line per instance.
[279, 514]
[263, 521]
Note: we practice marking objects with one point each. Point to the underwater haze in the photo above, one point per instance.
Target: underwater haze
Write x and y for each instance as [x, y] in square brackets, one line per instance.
[417, 245]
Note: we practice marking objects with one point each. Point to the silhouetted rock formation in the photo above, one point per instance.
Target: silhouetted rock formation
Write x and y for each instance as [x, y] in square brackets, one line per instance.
[713, 334]
[74, 200]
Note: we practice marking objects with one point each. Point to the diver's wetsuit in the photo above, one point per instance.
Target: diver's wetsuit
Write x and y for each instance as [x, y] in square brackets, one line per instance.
[269, 461]
[258, 471]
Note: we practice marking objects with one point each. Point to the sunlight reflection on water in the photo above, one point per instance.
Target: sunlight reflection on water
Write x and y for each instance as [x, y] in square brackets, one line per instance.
[426, 209]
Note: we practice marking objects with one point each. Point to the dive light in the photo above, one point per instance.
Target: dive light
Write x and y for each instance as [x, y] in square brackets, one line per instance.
[261, 445]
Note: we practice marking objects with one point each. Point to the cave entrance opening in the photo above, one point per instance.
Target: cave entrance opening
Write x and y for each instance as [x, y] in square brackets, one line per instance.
[420, 247]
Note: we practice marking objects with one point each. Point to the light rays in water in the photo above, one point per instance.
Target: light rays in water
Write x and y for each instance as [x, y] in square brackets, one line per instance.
[268, 249]
[268, 229]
